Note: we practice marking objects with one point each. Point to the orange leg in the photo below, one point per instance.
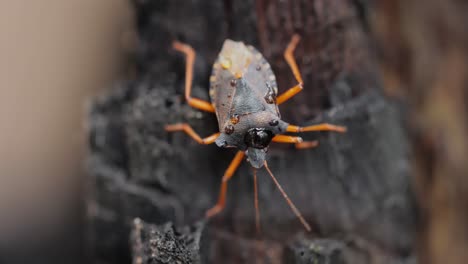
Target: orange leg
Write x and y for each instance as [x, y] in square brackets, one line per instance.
[288, 55]
[190, 55]
[297, 141]
[318, 127]
[222, 192]
[188, 129]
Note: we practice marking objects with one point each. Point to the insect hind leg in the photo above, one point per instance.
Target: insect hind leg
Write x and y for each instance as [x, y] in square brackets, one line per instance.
[288, 55]
[190, 59]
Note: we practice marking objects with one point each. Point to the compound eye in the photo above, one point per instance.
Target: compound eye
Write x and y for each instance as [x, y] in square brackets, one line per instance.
[258, 138]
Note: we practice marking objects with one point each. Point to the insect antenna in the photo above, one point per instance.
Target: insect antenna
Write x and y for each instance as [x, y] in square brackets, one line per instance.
[257, 212]
[290, 203]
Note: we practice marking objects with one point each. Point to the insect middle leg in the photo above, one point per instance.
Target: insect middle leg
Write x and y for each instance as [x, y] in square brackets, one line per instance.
[288, 55]
[222, 191]
[190, 57]
[189, 131]
[318, 127]
[297, 141]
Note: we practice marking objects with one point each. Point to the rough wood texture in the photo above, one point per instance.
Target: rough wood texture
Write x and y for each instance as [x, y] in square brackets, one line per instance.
[354, 188]
[424, 52]
[165, 243]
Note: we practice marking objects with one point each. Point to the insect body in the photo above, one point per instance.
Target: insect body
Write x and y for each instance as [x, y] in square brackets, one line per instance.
[244, 97]
[246, 108]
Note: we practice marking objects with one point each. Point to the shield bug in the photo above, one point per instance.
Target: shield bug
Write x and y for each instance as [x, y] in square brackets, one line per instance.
[244, 97]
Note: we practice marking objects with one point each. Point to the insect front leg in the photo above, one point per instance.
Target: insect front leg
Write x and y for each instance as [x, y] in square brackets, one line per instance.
[288, 55]
[189, 131]
[190, 57]
[223, 190]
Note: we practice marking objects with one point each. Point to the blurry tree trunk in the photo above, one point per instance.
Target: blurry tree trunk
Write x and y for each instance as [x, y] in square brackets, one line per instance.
[424, 48]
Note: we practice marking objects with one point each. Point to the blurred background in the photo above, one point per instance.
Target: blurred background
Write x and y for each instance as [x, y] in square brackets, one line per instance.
[54, 56]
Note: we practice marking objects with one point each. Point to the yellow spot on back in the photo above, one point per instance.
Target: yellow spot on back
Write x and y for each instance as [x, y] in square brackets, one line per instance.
[212, 78]
[235, 57]
[238, 75]
[225, 63]
[247, 62]
[234, 119]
